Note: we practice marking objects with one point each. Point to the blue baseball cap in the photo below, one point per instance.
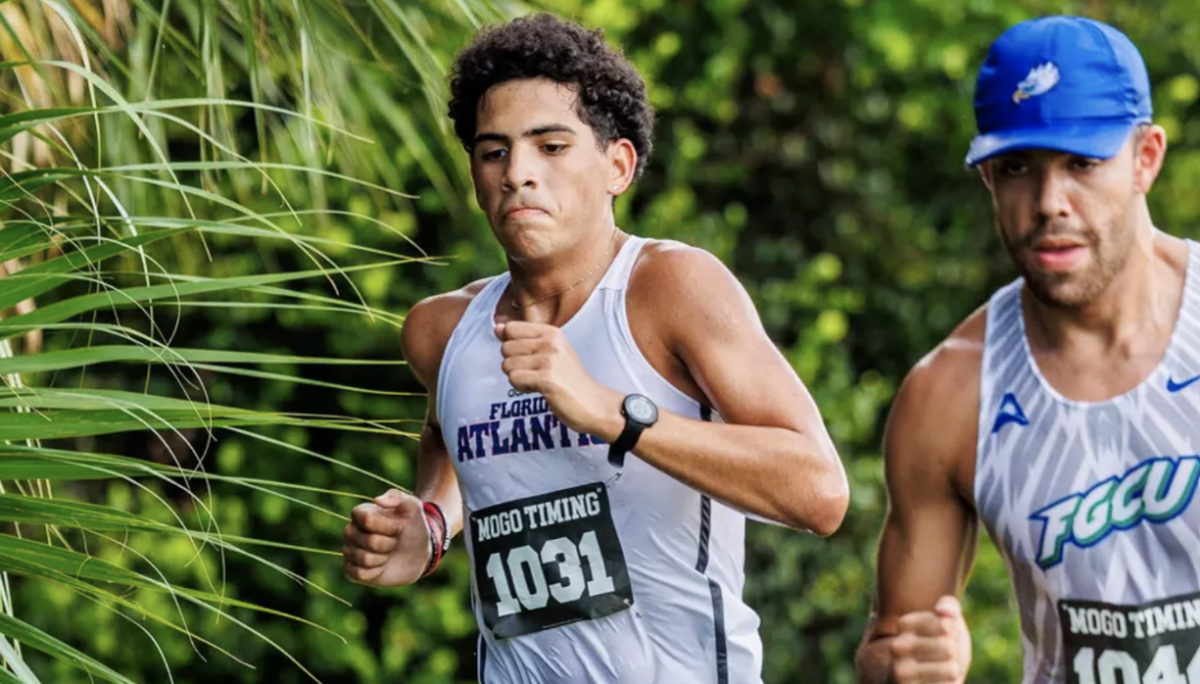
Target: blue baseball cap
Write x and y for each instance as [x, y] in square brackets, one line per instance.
[1060, 83]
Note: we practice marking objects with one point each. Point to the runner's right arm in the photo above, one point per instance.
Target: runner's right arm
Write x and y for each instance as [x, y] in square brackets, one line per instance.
[916, 632]
[388, 540]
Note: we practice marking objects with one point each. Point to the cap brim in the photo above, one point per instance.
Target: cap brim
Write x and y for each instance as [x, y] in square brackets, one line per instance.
[1098, 141]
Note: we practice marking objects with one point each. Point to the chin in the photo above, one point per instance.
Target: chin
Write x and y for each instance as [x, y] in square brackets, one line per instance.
[1077, 287]
[1064, 290]
[1057, 297]
[525, 240]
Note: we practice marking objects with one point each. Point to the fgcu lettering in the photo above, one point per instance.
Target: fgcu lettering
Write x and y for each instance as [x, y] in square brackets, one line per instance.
[1154, 491]
[518, 426]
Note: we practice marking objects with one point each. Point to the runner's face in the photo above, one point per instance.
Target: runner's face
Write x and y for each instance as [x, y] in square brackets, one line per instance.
[1068, 222]
[539, 172]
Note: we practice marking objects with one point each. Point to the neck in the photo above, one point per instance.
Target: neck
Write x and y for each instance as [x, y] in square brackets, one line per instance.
[1140, 304]
[551, 290]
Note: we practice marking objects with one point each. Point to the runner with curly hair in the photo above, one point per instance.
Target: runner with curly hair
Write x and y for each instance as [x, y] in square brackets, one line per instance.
[603, 416]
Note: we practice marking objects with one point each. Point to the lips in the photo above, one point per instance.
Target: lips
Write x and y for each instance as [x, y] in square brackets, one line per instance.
[523, 212]
[1059, 254]
[1053, 243]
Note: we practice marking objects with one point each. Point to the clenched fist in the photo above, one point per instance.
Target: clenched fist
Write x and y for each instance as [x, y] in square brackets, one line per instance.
[387, 541]
[538, 358]
[932, 647]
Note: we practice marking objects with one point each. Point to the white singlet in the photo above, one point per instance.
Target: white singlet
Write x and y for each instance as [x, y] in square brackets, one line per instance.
[579, 575]
[1091, 505]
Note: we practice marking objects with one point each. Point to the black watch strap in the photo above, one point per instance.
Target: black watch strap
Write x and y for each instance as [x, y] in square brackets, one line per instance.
[625, 443]
[640, 413]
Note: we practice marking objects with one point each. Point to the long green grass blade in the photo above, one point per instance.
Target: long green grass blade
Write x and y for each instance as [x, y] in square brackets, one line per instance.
[77, 358]
[43, 511]
[46, 565]
[30, 558]
[21, 238]
[43, 277]
[63, 310]
[19, 462]
[36, 638]
[65, 513]
[65, 425]
[246, 165]
[10, 657]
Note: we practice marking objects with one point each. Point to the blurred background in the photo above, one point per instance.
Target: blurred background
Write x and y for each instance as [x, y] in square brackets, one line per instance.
[815, 146]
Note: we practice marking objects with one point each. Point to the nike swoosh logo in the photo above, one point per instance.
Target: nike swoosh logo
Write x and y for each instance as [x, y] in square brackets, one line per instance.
[1174, 387]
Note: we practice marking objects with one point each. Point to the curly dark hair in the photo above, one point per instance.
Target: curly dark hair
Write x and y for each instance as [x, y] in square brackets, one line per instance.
[612, 95]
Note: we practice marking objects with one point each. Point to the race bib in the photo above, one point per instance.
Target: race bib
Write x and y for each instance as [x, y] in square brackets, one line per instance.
[548, 561]
[1154, 643]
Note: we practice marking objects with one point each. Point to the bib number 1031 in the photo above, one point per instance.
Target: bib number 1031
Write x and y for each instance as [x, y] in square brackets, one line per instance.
[548, 560]
[519, 575]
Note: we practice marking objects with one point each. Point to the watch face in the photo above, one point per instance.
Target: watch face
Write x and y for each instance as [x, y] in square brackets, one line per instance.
[641, 409]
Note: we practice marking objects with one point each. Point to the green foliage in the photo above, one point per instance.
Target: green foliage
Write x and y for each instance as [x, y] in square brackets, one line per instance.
[179, 204]
[190, 234]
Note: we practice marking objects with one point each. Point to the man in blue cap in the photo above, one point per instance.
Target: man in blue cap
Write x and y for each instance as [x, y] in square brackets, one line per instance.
[1065, 414]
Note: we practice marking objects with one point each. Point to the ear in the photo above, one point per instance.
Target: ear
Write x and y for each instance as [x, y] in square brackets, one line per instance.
[1149, 153]
[622, 163]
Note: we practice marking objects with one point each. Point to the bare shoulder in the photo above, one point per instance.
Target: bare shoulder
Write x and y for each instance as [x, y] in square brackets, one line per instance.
[679, 283]
[667, 263]
[950, 372]
[933, 425]
[428, 327]
[690, 317]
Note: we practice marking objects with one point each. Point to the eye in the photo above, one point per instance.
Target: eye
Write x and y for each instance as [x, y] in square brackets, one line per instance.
[493, 154]
[1083, 164]
[1012, 167]
[554, 148]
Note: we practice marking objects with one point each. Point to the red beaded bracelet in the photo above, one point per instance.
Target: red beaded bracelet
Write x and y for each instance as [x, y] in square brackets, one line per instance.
[439, 542]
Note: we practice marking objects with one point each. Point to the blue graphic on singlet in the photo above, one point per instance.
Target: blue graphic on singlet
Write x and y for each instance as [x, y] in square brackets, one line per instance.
[1154, 491]
[1010, 412]
[515, 427]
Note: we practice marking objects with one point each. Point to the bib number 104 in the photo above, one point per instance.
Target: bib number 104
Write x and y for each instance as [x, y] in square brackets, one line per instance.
[1118, 667]
[571, 586]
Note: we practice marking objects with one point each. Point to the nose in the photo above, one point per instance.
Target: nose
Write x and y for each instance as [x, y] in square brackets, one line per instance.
[1053, 195]
[520, 169]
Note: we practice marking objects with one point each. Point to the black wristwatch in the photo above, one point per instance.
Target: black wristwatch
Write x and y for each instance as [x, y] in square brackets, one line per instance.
[640, 413]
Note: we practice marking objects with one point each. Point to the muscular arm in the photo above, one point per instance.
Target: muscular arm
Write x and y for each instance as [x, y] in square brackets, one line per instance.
[771, 456]
[424, 337]
[929, 536]
[436, 480]
[387, 541]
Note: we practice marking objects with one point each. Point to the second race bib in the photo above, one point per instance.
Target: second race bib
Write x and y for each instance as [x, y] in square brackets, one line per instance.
[549, 560]
[1151, 643]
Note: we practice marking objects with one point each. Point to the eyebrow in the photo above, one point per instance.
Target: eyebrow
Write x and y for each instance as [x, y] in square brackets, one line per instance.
[531, 133]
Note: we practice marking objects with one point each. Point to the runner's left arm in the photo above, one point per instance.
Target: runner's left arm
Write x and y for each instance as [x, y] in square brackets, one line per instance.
[770, 456]
[424, 338]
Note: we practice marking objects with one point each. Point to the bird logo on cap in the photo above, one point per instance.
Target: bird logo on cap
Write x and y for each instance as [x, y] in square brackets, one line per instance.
[1040, 79]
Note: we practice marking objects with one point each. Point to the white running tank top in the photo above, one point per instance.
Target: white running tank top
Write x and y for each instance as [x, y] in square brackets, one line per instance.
[1091, 505]
[579, 575]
